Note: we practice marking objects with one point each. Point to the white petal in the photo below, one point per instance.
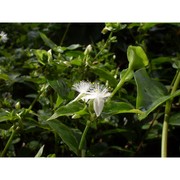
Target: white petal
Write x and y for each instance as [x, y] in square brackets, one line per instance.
[82, 86]
[88, 97]
[80, 96]
[98, 104]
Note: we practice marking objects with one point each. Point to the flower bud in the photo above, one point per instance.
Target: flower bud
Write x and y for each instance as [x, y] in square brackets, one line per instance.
[88, 49]
[18, 105]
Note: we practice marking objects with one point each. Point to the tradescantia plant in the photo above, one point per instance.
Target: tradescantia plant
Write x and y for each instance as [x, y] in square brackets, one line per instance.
[86, 100]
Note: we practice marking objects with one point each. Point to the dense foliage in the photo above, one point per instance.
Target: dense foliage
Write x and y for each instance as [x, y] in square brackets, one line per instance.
[133, 72]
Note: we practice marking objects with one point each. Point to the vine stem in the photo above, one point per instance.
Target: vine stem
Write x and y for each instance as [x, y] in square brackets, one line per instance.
[166, 117]
[82, 141]
[8, 143]
[64, 35]
[110, 35]
[120, 84]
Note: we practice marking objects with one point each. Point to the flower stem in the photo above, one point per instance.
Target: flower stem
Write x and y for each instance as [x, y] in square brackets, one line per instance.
[166, 117]
[64, 35]
[120, 84]
[82, 141]
[105, 45]
[8, 143]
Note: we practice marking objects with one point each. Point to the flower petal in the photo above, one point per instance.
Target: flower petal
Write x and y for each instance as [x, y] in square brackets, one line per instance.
[98, 105]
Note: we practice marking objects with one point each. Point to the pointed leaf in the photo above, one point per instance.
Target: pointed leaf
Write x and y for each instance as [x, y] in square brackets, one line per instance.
[112, 108]
[73, 46]
[68, 110]
[47, 41]
[157, 103]
[60, 87]
[39, 153]
[148, 90]
[68, 135]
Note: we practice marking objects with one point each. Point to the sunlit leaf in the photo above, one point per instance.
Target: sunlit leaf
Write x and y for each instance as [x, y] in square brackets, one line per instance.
[68, 110]
[129, 75]
[112, 108]
[73, 46]
[39, 153]
[42, 56]
[4, 76]
[137, 57]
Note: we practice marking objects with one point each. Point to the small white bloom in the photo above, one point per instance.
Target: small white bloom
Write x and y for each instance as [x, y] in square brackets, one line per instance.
[83, 87]
[3, 37]
[98, 93]
[87, 91]
[88, 49]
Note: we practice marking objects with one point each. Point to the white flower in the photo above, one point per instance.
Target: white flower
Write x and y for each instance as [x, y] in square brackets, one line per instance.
[88, 49]
[98, 93]
[3, 36]
[83, 87]
[87, 91]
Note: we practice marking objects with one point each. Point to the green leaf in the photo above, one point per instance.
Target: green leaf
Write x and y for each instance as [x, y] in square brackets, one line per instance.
[175, 119]
[41, 55]
[161, 60]
[39, 153]
[47, 41]
[148, 90]
[112, 108]
[129, 75]
[4, 76]
[73, 46]
[76, 61]
[147, 26]
[176, 63]
[74, 54]
[68, 110]
[105, 74]
[59, 100]
[157, 103]
[137, 57]
[114, 131]
[60, 87]
[114, 27]
[4, 115]
[8, 115]
[67, 134]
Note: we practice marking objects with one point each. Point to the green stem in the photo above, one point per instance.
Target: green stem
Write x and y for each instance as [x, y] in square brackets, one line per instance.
[32, 104]
[166, 118]
[110, 35]
[120, 84]
[82, 141]
[64, 35]
[8, 143]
